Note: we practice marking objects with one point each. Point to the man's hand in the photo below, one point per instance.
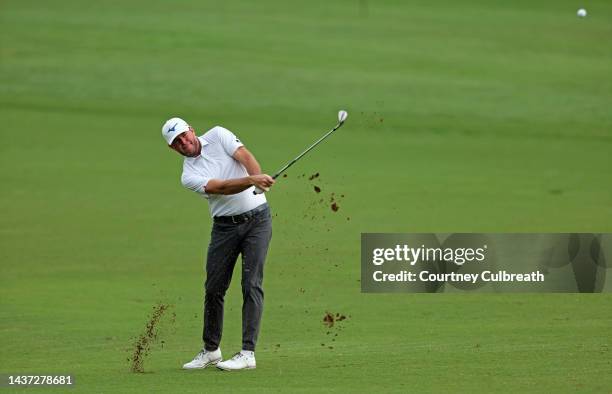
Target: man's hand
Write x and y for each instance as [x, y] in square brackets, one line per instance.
[263, 181]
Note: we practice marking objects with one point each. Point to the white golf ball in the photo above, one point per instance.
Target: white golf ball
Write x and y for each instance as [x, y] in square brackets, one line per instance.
[581, 13]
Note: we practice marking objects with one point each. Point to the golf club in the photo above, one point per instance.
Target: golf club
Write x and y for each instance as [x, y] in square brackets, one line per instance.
[342, 115]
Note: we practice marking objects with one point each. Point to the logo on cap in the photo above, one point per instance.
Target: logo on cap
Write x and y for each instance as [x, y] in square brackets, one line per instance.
[172, 128]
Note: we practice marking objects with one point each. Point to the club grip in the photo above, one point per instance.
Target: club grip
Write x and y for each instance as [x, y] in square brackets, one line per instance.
[258, 191]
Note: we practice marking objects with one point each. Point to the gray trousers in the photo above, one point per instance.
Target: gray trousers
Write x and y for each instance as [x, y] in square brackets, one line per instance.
[251, 239]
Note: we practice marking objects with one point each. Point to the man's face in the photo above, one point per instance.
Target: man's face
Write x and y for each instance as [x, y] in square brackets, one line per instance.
[186, 143]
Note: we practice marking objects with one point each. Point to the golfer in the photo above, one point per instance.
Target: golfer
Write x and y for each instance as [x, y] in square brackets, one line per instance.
[218, 167]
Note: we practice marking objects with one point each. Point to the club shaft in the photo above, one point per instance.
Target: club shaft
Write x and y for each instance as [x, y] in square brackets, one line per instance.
[279, 172]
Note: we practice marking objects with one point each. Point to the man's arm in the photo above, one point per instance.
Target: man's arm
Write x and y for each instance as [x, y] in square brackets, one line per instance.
[247, 159]
[237, 185]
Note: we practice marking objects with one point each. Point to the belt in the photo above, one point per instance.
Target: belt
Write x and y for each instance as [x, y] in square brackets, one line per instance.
[241, 218]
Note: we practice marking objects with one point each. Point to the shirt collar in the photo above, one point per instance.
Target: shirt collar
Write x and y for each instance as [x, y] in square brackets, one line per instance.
[203, 142]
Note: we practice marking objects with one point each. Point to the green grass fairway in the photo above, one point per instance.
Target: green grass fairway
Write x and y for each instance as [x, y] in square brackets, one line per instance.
[463, 116]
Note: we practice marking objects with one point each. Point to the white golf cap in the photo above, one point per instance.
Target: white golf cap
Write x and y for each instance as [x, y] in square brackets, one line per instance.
[172, 128]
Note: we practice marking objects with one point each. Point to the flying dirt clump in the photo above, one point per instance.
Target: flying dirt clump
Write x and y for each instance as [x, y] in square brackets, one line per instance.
[334, 200]
[330, 319]
[142, 346]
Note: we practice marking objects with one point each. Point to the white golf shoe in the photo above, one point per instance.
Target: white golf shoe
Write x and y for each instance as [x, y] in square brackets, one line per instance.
[243, 360]
[204, 359]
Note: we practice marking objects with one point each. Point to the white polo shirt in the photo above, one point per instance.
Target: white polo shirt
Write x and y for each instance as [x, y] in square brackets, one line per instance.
[215, 161]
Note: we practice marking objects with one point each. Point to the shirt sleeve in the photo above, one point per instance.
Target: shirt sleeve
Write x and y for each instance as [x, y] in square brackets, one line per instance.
[228, 140]
[195, 182]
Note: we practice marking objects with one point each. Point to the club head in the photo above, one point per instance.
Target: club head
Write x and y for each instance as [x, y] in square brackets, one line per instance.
[342, 115]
